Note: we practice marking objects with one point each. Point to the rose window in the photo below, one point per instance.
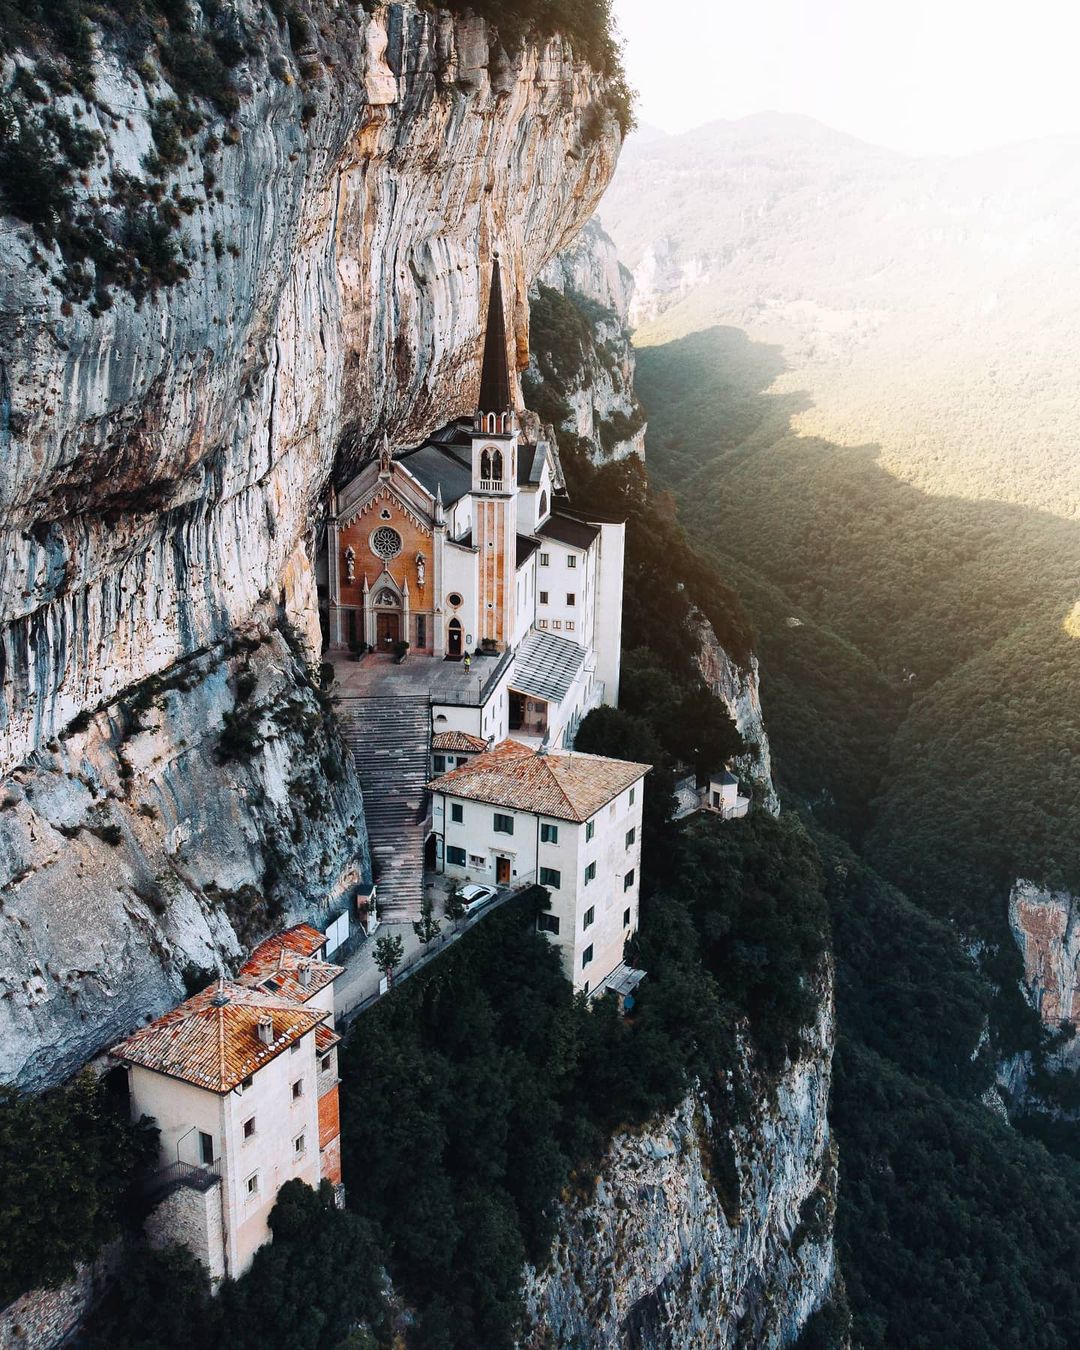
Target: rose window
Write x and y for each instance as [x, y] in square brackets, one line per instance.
[386, 542]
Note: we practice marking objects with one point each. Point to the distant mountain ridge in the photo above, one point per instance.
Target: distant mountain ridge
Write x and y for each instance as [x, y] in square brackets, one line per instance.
[930, 305]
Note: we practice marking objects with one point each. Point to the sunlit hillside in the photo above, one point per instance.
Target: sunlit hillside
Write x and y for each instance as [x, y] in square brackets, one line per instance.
[930, 306]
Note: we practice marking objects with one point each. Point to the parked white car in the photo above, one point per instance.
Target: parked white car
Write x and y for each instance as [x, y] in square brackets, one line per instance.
[474, 896]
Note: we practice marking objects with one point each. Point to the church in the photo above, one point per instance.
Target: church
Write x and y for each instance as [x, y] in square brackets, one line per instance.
[466, 549]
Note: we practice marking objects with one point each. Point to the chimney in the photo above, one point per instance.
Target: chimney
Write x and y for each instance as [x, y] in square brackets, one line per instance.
[305, 976]
[265, 1031]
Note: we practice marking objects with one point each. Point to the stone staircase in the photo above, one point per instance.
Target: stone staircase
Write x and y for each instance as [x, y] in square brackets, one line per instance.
[390, 743]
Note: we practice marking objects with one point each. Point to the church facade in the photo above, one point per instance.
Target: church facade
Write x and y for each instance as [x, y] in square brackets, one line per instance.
[467, 545]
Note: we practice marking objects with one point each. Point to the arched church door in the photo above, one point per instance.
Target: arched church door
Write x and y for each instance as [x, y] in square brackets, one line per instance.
[453, 638]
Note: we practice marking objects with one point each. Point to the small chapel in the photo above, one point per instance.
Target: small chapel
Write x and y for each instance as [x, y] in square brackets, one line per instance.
[460, 544]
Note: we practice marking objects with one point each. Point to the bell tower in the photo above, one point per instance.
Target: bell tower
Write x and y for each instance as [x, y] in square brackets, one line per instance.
[494, 479]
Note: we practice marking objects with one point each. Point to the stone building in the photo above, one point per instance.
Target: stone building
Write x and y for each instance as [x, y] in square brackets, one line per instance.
[242, 1082]
[570, 822]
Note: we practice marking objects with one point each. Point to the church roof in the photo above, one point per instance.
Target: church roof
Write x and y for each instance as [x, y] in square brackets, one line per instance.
[526, 547]
[567, 530]
[546, 666]
[495, 374]
[438, 467]
[565, 785]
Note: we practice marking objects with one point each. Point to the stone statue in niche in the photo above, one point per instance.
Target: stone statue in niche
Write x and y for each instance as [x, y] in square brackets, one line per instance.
[350, 564]
[421, 569]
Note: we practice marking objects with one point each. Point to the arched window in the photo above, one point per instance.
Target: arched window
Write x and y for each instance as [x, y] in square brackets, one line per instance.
[485, 464]
[496, 466]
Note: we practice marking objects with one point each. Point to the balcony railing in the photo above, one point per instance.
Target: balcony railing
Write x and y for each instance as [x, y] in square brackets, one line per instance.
[199, 1176]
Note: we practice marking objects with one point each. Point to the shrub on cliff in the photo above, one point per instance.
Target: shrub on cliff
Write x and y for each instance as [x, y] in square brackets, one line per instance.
[69, 1161]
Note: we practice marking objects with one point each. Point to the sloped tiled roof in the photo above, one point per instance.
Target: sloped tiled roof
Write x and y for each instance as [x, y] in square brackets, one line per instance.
[212, 1040]
[325, 1039]
[277, 964]
[546, 666]
[568, 530]
[566, 785]
[457, 740]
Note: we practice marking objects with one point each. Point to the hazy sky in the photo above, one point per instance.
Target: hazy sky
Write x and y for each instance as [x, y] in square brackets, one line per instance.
[922, 75]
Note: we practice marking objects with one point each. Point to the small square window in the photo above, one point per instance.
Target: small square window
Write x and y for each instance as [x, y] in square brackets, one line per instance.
[590, 829]
[440, 763]
[550, 876]
[586, 956]
[626, 918]
[548, 923]
[569, 625]
[633, 792]
[543, 597]
[549, 834]
[628, 880]
[545, 559]
[298, 1089]
[249, 1128]
[294, 1047]
[572, 560]
[252, 1184]
[543, 623]
[477, 860]
[556, 623]
[590, 873]
[457, 812]
[324, 1063]
[298, 1145]
[588, 917]
[571, 598]
[245, 1084]
[631, 835]
[503, 824]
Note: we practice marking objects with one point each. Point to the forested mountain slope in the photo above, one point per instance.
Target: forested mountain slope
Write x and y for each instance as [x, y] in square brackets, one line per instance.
[927, 305]
[859, 401]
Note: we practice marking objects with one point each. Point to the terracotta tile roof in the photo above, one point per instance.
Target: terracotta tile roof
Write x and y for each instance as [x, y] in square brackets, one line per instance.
[325, 1039]
[277, 965]
[457, 740]
[565, 785]
[215, 1044]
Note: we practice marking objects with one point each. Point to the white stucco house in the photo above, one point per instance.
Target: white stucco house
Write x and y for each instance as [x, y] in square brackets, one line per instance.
[242, 1083]
[570, 822]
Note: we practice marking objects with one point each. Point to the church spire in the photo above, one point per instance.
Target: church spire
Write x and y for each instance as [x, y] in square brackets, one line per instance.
[495, 375]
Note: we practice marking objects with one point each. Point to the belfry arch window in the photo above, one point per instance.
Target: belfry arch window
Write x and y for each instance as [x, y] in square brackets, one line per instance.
[496, 466]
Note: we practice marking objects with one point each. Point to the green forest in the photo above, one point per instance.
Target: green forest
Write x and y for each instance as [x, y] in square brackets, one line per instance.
[919, 684]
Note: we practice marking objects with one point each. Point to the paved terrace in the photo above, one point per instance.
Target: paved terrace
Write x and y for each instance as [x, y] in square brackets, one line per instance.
[378, 676]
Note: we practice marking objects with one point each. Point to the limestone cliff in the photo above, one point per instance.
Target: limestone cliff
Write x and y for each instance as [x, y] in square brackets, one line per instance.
[163, 459]
[597, 408]
[739, 689]
[1046, 926]
[327, 218]
[711, 1228]
[160, 838]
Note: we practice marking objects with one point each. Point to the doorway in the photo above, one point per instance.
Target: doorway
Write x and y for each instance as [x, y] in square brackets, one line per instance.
[453, 638]
[502, 871]
[387, 631]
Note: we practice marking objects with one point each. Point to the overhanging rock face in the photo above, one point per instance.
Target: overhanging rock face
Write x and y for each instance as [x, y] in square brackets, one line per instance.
[163, 462]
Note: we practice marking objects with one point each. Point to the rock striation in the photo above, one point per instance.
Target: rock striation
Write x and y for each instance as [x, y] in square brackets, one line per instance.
[1046, 927]
[164, 460]
[155, 841]
[706, 1230]
[739, 689]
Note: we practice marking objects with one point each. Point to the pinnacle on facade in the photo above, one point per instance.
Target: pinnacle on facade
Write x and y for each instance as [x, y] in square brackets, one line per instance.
[495, 375]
